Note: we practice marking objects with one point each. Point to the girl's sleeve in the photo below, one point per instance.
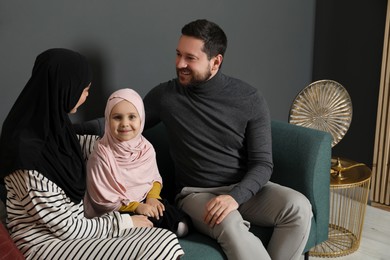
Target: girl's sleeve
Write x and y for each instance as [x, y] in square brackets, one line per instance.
[155, 191]
[131, 207]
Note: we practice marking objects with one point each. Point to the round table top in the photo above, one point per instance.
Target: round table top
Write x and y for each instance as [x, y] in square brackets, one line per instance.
[345, 171]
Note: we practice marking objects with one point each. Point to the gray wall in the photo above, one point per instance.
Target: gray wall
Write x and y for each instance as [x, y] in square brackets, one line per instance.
[132, 44]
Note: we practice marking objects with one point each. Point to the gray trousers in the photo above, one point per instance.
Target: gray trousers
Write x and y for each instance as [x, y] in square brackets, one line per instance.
[285, 209]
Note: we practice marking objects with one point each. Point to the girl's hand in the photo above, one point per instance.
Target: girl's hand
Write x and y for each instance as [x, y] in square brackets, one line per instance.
[157, 204]
[141, 221]
[147, 210]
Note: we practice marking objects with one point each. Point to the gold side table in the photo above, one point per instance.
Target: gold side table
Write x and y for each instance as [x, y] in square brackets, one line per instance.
[349, 189]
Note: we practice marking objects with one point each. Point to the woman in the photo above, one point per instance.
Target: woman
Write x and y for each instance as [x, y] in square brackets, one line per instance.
[44, 171]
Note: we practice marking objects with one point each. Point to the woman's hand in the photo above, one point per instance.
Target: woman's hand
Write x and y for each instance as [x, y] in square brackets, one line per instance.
[147, 210]
[141, 221]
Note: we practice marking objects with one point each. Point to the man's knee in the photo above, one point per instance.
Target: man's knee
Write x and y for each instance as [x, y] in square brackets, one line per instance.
[231, 227]
[236, 240]
[303, 205]
[299, 207]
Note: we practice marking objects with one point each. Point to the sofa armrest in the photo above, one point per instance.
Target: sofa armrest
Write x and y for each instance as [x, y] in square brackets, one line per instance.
[302, 161]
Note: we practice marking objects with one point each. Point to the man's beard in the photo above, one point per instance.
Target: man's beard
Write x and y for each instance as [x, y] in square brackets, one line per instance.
[196, 79]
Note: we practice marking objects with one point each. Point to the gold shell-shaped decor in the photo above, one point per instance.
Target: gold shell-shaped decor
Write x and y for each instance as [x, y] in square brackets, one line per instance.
[324, 105]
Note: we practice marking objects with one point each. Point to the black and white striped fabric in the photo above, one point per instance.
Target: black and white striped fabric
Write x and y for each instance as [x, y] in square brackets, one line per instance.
[87, 143]
[45, 224]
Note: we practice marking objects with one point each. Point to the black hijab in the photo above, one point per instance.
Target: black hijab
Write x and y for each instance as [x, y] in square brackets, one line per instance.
[37, 133]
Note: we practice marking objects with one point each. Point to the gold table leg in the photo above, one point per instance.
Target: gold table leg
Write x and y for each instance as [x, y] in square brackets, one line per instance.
[348, 201]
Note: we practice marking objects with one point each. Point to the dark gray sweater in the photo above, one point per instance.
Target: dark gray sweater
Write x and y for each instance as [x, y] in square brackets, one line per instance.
[219, 133]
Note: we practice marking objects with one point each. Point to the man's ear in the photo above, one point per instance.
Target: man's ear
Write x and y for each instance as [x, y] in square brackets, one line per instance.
[217, 61]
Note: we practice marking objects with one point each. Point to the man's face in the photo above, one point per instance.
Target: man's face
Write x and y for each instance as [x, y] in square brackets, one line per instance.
[192, 65]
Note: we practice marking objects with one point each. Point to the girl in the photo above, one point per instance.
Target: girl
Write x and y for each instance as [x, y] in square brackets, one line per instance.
[122, 171]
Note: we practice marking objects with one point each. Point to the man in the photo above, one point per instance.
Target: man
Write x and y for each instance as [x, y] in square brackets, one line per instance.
[220, 140]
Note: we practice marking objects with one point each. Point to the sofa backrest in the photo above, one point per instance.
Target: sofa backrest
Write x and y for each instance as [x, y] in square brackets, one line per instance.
[297, 151]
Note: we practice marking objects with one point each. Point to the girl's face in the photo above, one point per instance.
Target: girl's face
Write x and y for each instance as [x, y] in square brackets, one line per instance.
[125, 122]
[82, 99]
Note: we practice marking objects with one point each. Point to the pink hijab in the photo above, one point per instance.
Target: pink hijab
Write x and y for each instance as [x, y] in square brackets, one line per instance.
[120, 172]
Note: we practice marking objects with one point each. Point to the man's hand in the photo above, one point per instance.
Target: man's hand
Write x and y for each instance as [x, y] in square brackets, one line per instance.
[218, 208]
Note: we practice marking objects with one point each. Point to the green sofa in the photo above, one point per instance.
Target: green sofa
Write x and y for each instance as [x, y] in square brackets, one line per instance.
[302, 159]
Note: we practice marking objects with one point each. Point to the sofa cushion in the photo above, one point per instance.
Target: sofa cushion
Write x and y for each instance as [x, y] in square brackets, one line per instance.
[198, 246]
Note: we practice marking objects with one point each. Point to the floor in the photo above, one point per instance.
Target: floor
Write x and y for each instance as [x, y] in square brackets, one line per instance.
[375, 242]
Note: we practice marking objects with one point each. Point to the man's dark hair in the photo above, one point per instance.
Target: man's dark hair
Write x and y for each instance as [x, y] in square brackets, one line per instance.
[214, 38]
